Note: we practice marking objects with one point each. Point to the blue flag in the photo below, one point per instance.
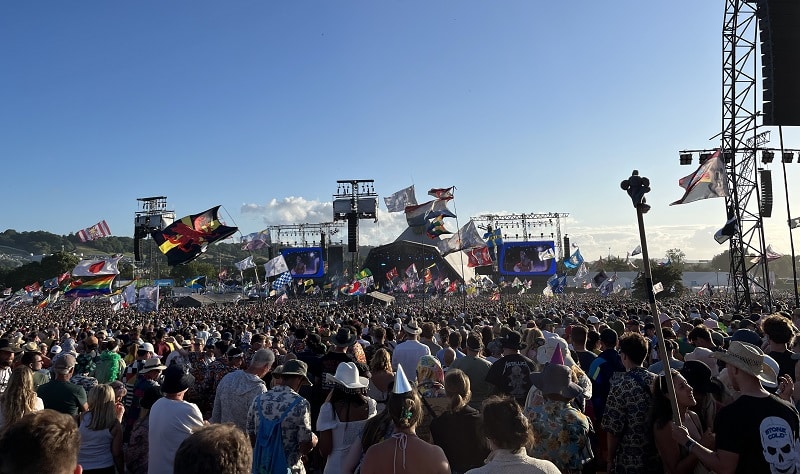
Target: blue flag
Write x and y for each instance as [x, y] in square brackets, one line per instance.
[574, 260]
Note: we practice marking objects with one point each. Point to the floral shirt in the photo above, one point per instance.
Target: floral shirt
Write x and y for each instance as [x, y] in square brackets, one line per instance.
[138, 447]
[561, 433]
[627, 416]
[296, 427]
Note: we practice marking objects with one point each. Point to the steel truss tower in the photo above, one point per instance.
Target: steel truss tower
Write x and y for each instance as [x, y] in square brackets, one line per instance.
[740, 140]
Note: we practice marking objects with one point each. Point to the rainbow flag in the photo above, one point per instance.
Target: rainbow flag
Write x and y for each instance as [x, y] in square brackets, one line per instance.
[91, 287]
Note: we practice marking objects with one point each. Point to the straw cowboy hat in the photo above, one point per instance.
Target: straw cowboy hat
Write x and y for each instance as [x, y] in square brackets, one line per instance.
[750, 359]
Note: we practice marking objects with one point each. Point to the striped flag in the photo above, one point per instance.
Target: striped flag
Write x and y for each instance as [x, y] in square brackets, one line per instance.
[96, 231]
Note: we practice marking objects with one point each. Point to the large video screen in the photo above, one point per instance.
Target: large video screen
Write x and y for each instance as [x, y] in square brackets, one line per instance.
[305, 262]
[528, 258]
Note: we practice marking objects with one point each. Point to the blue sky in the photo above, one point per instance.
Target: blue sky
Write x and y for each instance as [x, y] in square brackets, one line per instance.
[260, 106]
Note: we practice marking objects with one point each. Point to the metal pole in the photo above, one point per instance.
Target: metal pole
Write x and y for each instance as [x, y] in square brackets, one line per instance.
[637, 186]
[789, 217]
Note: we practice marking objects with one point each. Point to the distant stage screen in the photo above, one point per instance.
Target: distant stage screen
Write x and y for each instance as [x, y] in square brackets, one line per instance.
[528, 258]
[304, 262]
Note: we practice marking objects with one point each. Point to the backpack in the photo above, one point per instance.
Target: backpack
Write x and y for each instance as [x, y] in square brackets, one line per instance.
[269, 456]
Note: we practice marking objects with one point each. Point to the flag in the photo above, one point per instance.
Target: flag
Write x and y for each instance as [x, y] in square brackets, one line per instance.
[658, 288]
[704, 289]
[184, 240]
[94, 232]
[494, 238]
[398, 201]
[442, 193]
[770, 254]
[558, 284]
[276, 266]
[708, 181]
[129, 293]
[256, 240]
[478, 257]
[575, 260]
[495, 296]
[411, 271]
[245, 264]
[547, 254]
[665, 262]
[91, 287]
[284, 279]
[547, 291]
[628, 260]
[428, 276]
[97, 267]
[364, 273]
[392, 274]
[582, 272]
[466, 237]
[50, 284]
[418, 215]
[33, 287]
[117, 302]
[223, 274]
[196, 282]
[435, 227]
[636, 251]
[794, 223]
[600, 278]
[607, 287]
[308, 282]
[148, 299]
[727, 231]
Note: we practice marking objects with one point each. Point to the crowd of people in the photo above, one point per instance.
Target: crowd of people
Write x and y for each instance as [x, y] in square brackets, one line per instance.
[573, 384]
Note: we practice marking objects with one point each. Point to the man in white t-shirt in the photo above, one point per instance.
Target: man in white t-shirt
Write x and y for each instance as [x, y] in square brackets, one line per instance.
[409, 352]
[171, 420]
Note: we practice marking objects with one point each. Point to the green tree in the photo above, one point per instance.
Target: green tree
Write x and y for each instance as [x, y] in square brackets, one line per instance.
[668, 275]
[192, 269]
[676, 256]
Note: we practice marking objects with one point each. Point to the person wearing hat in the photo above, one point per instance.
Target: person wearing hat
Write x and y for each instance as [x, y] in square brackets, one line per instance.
[284, 402]
[757, 432]
[511, 374]
[237, 390]
[409, 352]
[343, 415]
[60, 394]
[172, 420]
[561, 431]
[7, 353]
[476, 367]
[146, 379]
[344, 339]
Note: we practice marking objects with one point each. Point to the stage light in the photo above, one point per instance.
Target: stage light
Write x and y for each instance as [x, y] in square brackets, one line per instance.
[704, 157]
[788, 156]
[767, 157]
[686, 158]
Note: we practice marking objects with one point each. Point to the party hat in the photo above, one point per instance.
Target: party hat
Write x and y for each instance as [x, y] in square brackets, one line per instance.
[401, 383]
[558, 356]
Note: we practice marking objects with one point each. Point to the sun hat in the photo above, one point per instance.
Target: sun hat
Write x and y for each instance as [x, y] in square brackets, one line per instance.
[411, 326]
[296, 367]
[556, 379]
[512, 340]
[153, 363]
[701, 354]
[55, 350]
[146, 347]
[347, 377]
[176, 380]
[593, 319]
[346, 336]
[748, 358]
[544, 354]
[31, 347]
[698, 374]
[5, 345]
[664, 317]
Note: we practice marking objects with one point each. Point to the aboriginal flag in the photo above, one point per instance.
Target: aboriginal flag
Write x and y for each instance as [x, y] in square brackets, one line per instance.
[184, 240]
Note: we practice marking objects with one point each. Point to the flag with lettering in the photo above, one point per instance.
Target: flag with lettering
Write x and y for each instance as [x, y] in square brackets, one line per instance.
[96, 231]
[398, 201]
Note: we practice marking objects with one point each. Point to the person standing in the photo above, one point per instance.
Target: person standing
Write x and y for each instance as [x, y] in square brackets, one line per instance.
[237, 390]
[7, 352]
[408, 352]
[60, 394]
[631, 448]
[172, 420]
[511, 374]
[758, 432]
[476, 368]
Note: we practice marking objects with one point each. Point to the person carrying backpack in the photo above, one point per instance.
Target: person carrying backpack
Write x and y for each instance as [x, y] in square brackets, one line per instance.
[279, 423]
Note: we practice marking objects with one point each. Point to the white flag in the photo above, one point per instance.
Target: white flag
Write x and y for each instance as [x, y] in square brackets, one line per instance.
[398, 201]
[547, 254]
[658, 288]
[636, 251]
[245, 264]
[276, 266]
[97, 267]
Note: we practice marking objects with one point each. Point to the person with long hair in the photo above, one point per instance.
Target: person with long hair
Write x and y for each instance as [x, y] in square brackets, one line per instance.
[674, 457]
[404, 452]
[509, 434]
[343, 415]
[19, 398]
[457, 431]
[101, 433]
[430, 387]
[382, 377]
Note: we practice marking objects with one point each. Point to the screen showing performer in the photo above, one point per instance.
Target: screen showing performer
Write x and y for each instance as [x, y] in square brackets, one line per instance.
[304, 262]
[527, 258]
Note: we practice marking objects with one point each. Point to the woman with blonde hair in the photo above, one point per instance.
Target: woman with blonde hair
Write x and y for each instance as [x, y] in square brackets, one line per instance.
[458, 430]
[19, 398]
[534, 338]
[101, 433]
[382, 377]
[430, 387]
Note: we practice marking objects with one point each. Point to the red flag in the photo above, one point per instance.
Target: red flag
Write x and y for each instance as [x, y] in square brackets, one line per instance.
[392, 274]
[428, 276]
[32, 287]
[495, 296]
[478, 257]
[442, 193]
[451, 288]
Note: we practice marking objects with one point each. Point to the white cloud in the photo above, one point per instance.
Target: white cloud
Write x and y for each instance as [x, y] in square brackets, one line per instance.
[290, 210]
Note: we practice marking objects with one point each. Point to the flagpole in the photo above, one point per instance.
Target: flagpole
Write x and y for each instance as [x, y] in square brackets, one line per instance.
[461, 257]
[637, 186]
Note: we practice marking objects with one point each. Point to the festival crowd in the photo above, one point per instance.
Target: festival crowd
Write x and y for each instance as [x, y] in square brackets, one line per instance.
[574, 384]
